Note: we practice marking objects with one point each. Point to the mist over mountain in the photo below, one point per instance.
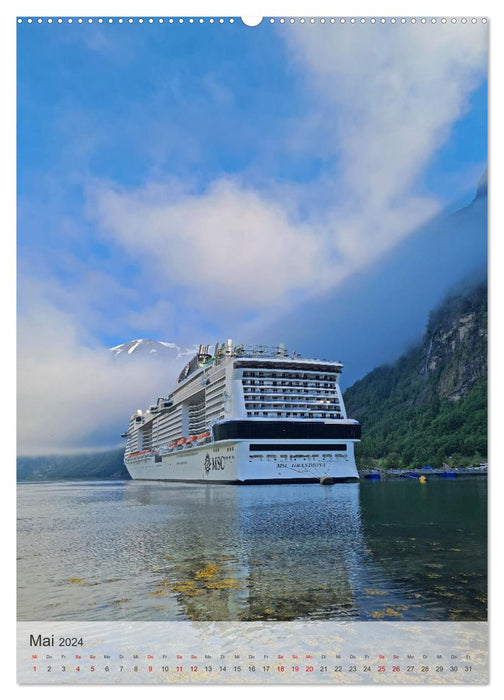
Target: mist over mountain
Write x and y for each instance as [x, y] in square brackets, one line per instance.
[372, 318]
[482, 189]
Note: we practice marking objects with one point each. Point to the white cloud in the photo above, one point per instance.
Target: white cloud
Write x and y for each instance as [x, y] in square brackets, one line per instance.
[229, 244]
[85, 292]
[71, 394]
[388, 95]
[386, 98]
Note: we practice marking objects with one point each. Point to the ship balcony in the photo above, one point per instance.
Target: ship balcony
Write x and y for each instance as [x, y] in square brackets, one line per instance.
[196, 428]
[294, 414]
[292, 375]
[318, 405]
[289, 382]
[295, 394]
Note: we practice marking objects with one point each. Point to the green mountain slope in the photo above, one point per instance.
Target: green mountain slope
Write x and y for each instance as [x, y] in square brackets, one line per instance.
[97, 465]
[430, 406]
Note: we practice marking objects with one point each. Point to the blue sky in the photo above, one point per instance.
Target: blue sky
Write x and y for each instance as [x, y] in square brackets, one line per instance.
[195, 182]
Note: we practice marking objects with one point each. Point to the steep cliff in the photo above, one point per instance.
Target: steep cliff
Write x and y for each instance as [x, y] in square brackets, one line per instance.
[430, 406]
[456, 339]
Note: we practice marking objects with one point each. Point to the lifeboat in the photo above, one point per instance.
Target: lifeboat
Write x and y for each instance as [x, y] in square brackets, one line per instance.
[134, 455]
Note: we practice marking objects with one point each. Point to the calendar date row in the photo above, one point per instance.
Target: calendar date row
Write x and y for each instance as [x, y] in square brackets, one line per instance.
[261, 668]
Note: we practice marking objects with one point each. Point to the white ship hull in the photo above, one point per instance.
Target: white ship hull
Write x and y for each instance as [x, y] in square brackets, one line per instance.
[233, 462]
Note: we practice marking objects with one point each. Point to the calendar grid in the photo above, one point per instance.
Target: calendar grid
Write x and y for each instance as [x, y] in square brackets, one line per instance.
[300, 652]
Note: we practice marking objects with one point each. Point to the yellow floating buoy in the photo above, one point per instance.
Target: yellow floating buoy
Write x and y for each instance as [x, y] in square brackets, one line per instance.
[423, 479]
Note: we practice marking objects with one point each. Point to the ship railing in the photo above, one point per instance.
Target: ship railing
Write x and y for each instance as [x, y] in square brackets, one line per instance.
[245, 350]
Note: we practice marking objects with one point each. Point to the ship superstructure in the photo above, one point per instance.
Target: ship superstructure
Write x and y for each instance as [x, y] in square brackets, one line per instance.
[246, 414]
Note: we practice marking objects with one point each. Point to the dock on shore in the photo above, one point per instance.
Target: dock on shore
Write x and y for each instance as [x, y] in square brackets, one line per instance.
[417, 473]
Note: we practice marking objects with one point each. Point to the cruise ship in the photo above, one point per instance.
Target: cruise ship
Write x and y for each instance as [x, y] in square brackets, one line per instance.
[246, 414]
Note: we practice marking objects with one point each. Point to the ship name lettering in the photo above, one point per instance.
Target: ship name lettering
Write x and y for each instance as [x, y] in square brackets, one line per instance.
[216, 463]
[303, 466]
[307, 465]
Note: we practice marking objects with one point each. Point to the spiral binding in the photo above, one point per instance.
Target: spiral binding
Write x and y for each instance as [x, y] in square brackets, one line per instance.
[232, 20]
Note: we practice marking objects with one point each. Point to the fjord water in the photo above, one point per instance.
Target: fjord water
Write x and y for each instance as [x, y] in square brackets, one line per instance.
[126, 550]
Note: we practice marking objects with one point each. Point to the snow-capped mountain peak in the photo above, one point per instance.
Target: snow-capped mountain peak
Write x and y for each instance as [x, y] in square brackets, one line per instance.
[153, 348]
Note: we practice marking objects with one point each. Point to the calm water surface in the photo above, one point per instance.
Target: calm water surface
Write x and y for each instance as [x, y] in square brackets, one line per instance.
[125, 550]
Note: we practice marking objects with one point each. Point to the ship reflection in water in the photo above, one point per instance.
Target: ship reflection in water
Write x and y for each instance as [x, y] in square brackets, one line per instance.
[158, 551]
[273, 552]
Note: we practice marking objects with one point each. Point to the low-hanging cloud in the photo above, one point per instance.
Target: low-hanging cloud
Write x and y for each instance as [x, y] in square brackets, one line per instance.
[72, 394]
